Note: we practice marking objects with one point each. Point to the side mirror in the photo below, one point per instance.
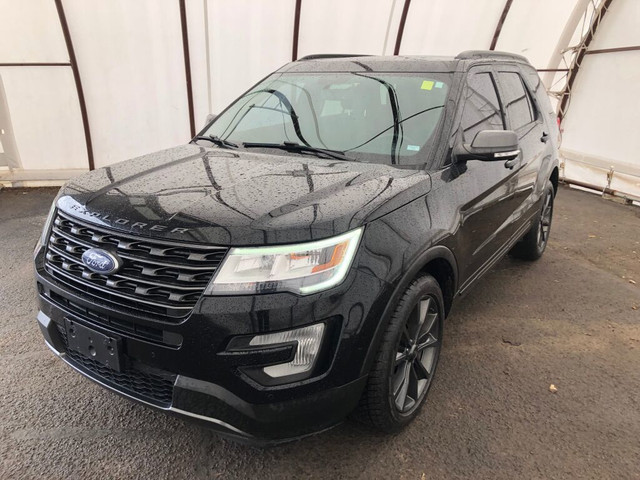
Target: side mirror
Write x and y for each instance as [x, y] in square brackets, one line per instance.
[210, 118]
[489, 145]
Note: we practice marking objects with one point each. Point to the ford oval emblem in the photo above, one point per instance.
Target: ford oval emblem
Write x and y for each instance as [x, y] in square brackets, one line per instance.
[101, 261]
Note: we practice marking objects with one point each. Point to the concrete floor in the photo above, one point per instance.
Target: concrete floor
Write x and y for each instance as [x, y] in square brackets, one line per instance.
[571, 319]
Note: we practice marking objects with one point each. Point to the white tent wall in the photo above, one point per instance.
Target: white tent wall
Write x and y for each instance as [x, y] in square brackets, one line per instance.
[130, 58]
[443, 27]
[42, 41]
[247, 41]
[532, 29]
[604, 110]
[45, 117]
[354, 30]
[131, 62]
[43, 112]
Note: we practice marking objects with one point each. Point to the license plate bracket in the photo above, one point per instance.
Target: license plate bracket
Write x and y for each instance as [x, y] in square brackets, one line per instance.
[104, 349]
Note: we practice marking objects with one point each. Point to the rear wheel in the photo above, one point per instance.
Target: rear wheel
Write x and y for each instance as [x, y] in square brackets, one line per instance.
[406, 362]
[533, 244]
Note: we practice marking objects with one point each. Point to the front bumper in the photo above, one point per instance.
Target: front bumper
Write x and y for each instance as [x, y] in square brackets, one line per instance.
[186, 371]
[217, 408]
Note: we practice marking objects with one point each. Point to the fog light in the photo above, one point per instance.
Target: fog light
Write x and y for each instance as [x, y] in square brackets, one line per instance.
[308, 345]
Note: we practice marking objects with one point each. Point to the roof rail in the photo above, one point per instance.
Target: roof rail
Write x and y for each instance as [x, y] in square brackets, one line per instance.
[319, 56]
[477, 54]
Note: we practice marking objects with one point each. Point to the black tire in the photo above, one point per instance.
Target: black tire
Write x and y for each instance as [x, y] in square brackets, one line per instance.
[534, 243]
[417, 321]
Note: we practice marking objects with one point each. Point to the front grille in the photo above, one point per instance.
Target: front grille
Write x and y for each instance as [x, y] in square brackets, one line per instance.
[157, 276]
[117, 324]
[151, 387]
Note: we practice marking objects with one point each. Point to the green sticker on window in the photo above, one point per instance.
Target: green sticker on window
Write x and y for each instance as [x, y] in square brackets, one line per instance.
[427, 85]
[439, 84]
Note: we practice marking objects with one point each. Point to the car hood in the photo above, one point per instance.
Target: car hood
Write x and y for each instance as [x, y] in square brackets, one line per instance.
[227, 197]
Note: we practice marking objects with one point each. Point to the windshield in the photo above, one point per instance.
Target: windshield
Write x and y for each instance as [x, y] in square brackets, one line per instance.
[373, 117]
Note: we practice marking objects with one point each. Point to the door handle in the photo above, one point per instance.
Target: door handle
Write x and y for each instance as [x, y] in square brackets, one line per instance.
[545, 137]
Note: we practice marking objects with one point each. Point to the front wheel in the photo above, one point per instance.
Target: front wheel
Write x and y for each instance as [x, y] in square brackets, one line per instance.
[406, 362]
[534, 243]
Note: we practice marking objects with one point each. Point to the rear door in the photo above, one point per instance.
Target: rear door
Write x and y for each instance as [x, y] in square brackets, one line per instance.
[523, 116]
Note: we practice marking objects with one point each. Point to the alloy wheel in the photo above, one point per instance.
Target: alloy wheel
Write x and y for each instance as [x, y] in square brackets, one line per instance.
[416, 356]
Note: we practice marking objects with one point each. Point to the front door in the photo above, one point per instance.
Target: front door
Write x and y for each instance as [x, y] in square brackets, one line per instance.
[485, 190]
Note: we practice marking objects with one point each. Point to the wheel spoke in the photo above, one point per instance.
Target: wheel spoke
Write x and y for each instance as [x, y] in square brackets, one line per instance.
[423, 311]
[398, 379]
[547, 202]
[421, 370]
[427, 341]
[402, 389]
[431, 321]
[400, 357]
[421, 382]
[413, 391]
[545, 220]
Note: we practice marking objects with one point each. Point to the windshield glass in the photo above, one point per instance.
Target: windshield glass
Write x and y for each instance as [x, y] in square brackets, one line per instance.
[373, 117]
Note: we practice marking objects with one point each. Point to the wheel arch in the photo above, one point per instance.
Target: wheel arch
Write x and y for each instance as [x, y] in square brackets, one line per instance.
[443, 271]
[440, 263]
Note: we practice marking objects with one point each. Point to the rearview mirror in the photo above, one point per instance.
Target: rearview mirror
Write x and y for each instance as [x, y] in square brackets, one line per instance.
[489, 145]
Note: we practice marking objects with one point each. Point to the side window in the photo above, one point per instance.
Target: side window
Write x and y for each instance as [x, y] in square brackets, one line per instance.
[517, 102]
[481, 106]
[533, 78]
[538, 92]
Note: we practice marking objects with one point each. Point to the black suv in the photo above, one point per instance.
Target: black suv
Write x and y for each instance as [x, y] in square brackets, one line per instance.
[294, 263]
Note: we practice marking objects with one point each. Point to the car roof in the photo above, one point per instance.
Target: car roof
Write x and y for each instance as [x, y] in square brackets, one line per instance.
[397, 63]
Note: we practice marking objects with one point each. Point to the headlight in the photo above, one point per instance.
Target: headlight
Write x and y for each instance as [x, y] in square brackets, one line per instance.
[303, 269]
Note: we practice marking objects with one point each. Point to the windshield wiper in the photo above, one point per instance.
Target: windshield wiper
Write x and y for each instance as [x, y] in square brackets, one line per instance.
[296, 147]
[217, 141]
